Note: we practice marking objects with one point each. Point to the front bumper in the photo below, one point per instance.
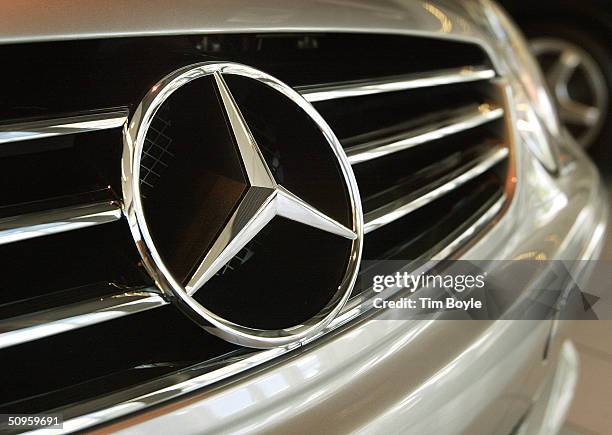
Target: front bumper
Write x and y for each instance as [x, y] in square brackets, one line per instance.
[418, 377]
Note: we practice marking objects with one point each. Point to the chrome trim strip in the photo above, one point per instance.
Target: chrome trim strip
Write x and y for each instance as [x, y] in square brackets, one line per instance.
[44, 223]
[61, 126]
[352, 310]
[473, 230]
[470, 118]
[316, 93]
[407, 204]
[29, 327]
[355, 307]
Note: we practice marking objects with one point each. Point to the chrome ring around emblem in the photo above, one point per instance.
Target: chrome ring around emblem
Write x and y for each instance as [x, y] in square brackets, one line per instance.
[274, 199]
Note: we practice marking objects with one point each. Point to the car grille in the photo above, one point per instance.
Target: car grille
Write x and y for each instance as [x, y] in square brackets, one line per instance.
[82, 327]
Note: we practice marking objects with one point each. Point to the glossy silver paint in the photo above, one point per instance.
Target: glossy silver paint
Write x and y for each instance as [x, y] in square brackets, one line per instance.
[548, 413]
[29, 327]
[395, 83]
[403, 206]
[47, 222]
[67, 20]
[263, 200]
[470, 117]
[62, 126]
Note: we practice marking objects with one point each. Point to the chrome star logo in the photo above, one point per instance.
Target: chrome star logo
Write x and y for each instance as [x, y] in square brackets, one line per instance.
[215, 193]
[264, 200]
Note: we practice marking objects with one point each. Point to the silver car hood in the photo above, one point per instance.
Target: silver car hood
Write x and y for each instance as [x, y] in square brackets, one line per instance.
[86, 19]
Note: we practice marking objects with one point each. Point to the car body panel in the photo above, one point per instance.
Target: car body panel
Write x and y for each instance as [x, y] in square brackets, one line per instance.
[66, 20]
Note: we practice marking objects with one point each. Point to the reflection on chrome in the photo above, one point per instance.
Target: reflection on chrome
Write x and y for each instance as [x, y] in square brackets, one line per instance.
[21, 329]
[469, 117]
[446, 25]
[44, 223]
[62, 126]
[395, 84]
[487, 217]
[403, 206]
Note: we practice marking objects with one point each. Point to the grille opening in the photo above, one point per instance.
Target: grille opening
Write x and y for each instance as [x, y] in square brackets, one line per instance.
[422, 234]
[68, 260]
[408, 238]
[56, 299]
[373, 116]
[412, 169]
[55, 202]
[158, 151]
[421, 179]
[102, 364]
[44, 169]
[85, 74]
[106, 357]
[332, 58]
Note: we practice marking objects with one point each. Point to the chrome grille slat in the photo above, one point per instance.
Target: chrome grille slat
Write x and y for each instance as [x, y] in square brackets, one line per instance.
[396, 83]
[409, 203]
[47, 222]
[37, 325]
[470, 232]
[62, 126]
[467, 118]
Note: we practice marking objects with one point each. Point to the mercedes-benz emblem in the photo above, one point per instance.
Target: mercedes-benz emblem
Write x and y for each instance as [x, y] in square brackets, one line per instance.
[258, 240]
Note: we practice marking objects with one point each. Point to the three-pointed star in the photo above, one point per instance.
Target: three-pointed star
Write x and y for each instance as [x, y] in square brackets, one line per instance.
[263, 200]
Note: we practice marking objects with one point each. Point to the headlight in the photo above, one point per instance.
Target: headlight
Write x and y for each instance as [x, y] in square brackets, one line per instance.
[537, 121]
